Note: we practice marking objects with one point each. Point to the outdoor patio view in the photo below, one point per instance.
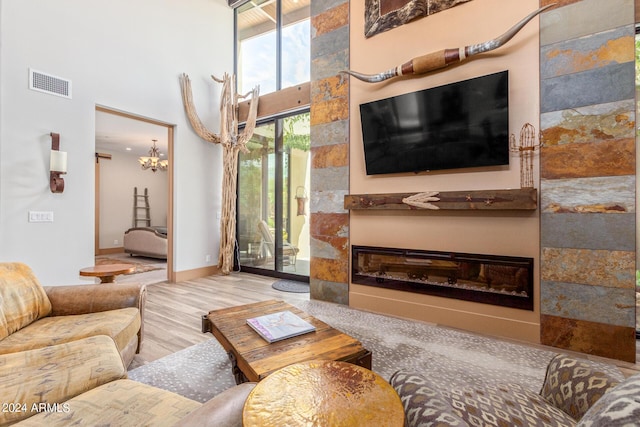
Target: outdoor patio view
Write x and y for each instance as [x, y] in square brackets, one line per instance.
[274, 178]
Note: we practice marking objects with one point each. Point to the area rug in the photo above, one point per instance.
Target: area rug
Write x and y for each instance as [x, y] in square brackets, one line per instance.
[140, 267]
[448, 356]
[291, 286]
[198, 372]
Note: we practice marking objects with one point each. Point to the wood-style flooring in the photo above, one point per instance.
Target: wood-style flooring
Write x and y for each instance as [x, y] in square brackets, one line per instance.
[174, 310]
[172, 318]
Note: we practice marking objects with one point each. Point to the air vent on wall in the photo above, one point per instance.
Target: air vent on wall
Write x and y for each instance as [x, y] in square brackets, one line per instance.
[47, 83]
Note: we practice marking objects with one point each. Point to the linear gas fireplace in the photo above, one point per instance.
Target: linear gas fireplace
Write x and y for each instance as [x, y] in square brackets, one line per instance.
[490, 279]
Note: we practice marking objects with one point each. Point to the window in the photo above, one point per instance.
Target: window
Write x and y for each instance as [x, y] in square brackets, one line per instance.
[273, 51]
[272, 41]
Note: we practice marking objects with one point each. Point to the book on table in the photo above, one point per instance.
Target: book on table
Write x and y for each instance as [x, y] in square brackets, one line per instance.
[279, 326]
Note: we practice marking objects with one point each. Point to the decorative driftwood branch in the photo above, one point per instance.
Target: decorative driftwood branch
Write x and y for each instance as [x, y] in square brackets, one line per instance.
[232, 143]
[517, 199]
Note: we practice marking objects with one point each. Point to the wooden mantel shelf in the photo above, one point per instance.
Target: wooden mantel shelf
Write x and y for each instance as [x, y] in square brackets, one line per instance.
[516, 199]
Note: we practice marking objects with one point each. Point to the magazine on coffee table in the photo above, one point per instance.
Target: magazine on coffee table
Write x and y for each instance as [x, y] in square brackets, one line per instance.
[279, 326]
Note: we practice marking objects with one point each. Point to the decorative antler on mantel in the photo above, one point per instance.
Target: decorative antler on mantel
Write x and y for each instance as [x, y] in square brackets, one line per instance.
[443, 58]
[232, 143]
[523, 199]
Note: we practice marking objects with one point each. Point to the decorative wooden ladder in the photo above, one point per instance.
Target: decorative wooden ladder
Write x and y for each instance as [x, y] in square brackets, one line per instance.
[141, 214]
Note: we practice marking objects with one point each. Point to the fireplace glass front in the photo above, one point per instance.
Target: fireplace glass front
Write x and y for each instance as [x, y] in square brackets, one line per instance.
[490, 279]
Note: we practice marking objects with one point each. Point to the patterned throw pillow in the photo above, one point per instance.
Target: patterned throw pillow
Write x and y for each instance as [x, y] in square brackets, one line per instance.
[474, 404]
[574, 385]
[423, 405]
[619, 407]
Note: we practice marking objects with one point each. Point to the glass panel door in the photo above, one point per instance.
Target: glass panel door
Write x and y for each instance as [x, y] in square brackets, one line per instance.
[273, 180]
[296, 184]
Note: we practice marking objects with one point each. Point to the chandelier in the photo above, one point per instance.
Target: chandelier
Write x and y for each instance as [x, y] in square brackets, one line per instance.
[153, 161]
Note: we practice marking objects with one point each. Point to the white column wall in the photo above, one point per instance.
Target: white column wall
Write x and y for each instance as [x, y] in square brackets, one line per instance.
[122, 54]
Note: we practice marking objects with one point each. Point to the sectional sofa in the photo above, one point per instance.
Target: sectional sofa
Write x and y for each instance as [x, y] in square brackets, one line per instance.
[64, 353]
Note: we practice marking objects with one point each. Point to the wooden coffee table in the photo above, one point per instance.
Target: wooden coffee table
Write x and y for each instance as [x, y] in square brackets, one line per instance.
[323, 393]
[253, 358]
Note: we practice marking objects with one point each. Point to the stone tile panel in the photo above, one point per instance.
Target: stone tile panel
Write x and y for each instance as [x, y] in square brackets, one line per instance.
[329, 270]
[330, 20]
[330, 247]
[605, 84]
[329, 111]
[585, 53]
[614, 342]
[330, 291]
[612, 269]
[583, 302]
[334, 41]
[588, 220]
[328, 201]
[582, 18]
[329, 276]
[612, 194]
[330, 133]
[589, 231]
[330, 224]
[321, 6]
[329, 88]
[330, 156]
[608, 158]
[327, 180]
[594, 123]
[329, 65]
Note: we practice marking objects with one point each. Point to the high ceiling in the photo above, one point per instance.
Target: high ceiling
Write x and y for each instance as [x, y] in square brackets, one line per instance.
[115, 133]
[259, 16]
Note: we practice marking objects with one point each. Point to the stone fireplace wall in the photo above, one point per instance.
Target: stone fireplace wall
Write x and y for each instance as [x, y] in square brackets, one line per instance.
[587, 171]
[329, 275]
[588, 177]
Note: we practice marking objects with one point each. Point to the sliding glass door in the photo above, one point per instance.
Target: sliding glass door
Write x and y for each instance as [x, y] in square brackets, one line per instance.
[273, 183]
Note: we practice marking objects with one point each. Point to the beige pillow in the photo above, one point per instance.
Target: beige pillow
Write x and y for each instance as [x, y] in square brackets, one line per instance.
[22, 298]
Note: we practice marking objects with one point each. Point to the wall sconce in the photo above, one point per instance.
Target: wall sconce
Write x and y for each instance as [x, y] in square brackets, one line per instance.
[57, 165]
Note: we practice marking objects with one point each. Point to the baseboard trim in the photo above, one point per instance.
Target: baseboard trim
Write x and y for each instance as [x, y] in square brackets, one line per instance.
[196, 273]
[110, 251]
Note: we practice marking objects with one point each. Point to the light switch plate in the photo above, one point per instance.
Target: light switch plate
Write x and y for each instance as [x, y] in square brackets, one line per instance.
[40, 216]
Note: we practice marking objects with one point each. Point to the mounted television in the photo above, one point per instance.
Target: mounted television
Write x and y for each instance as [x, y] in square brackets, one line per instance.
[459, 125]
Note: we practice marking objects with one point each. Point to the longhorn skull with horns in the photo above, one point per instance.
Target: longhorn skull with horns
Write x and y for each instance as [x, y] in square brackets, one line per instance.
[443, 58]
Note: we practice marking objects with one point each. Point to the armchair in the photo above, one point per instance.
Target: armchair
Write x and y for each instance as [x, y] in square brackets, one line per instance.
[34, 316]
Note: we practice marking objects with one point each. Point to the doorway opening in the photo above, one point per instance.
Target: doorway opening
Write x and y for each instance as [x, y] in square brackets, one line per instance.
[273, 183]
[125, 192]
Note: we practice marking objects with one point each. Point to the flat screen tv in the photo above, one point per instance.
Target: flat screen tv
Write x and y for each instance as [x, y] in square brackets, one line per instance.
[459, 125]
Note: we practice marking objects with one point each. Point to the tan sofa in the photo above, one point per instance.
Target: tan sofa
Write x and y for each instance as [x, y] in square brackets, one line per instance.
[33, 316]
[145, 241]
[63, 357]
[84, 383]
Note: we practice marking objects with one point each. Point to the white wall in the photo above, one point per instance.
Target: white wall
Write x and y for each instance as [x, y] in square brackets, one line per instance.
[118, 177]
[121, 54]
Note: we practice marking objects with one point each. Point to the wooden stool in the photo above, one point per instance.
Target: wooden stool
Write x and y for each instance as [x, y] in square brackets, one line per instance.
[107, 273]
[323, 393]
